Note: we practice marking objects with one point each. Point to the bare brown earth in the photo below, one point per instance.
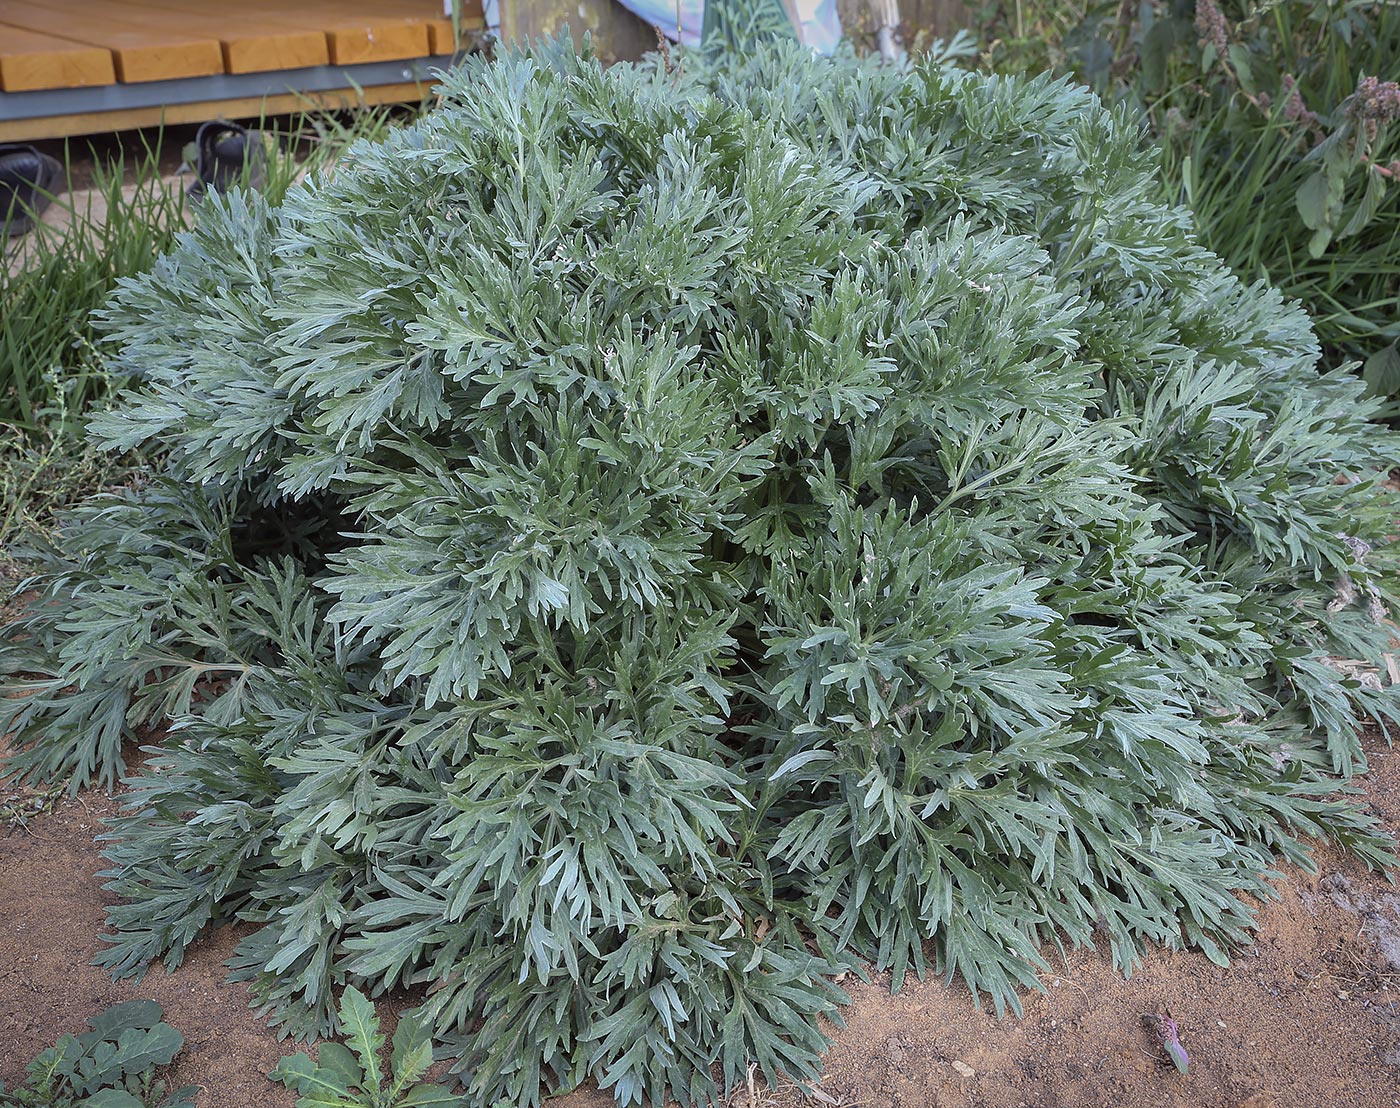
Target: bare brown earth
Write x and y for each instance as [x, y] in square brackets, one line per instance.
[1309, 1016]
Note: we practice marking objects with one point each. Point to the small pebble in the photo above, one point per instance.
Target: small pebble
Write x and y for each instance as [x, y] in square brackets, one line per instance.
[964, 1069]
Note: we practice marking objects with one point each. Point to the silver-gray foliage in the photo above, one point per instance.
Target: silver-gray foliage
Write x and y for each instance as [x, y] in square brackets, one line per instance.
[636, 542]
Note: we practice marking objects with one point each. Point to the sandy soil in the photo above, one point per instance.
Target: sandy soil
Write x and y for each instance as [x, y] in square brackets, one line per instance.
[1310, 1016]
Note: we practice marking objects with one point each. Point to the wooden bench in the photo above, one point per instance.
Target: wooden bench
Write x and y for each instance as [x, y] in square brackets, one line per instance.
[78, 66]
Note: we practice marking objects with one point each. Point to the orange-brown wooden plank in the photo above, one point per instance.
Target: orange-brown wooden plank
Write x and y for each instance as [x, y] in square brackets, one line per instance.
[355, 31]
[354, 25]
[30, 60]
[253, 42]
[439, 26]
[144, 47]
[441, 38]
[248, 44]
[341, 19]
[377, 41]
[418, 9]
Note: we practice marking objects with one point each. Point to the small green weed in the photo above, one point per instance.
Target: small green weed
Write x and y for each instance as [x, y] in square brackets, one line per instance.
[352, 1076]
[19, 806]
[111, 1066]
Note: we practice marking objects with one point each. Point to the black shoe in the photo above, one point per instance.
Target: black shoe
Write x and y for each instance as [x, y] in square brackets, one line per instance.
[223, 151]
[28, 181]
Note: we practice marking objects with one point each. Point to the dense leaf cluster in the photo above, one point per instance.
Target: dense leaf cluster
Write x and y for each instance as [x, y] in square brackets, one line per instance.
[638, 541]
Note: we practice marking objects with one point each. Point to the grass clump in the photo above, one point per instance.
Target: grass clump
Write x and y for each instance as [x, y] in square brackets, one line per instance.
[55, 276]
[637, 541]
[52, 369]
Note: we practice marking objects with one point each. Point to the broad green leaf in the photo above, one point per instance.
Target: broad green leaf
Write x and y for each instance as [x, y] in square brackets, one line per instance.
[58, 1058]
[295, 1071]
[301, 1074]
[360, 1025]
[1371, 200]
[1157, 45]
[431, 1096]
[323, 1098]
[338, 1059]
[140, 1014]
[111, 1098]
[1382, 372]
[1313, 201]
[138, 1050]
[1242, 65]
[412, 1053]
